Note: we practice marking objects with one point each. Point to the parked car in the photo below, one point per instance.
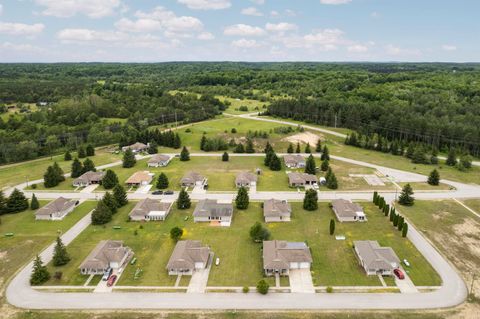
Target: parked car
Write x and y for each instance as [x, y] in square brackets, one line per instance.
[107, 274]
[157, 193]
[217, 261]
[399, 274]
[168, 192]
[111, 280]
[406, 263]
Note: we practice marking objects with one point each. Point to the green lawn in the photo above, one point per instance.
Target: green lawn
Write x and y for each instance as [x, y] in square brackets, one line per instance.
[235, 104]
[426, 186]
[31, 236]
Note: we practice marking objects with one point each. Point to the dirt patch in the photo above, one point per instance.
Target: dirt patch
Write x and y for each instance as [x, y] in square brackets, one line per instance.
[440, 215]
[3, 255]
[469, 231]
[304, 137]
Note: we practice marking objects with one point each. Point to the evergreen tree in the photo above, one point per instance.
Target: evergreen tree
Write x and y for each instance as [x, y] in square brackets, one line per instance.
[465, 162]
[110, 179]
[50, 178]
[109, 201]
[406, 197]
[162, 181]
[405, 230]
[325, 165]
[176, 233]
[58, 172]
[183, 201]
[90, 150]
[275, 163]
[77, 168]
[375, 197]
[268, 148]
[34, 203]
[400, 223]
[225, 157]
[307, 148]
[434, 178]
[318, 147]
[258, 233]
[332, 226]
[120, 195]
[268, 157]
[81, 152]
[395, 220]
[239, 148]
[297, 150]
[176, 141]
[67, 156]
[331, 179]
[203, 141]
[60, 254]
[88, 166]
[3, 203]
[418, 156]
[153, 147]
[325, 154]
[311, 166]
[101, 214]
[242, 200]
[184, 155]
[40, 273]
[410, 150]
[16, 202]
[128, 159]
[451, 158]
[249, 147]
[310, 201]
[392, 216]
[290, 148]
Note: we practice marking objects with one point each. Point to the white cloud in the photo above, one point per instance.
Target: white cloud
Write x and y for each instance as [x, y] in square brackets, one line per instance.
[21, 28]
[335, 2]
[206, 4]
[357, 48]
[328, 38]
[21, 47]
[1, 9]
[244, 43]
[449, 47]
[69, 8]
[259, 2]
[397, 51]
[290, 13]
[274, 13]
[281, 27]
[205, 36]
[88, 35]
[140, 25]
[251, 11]
[244, 30]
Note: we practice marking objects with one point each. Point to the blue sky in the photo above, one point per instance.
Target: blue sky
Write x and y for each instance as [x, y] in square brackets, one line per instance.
[239, 30]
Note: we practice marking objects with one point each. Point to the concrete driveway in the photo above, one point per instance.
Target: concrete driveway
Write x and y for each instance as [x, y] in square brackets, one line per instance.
[89, 188]
[198, 282]
[406, 285]
[301, 281]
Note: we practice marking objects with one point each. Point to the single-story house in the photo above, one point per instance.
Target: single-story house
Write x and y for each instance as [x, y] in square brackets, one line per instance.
[294, 161]
[136, 147]
[150, 209]
[375, 259]
[211, 210]
[88, 178]
[346, 211]
[107, 254]
[280, 256]
[188, 256]
[140, 178]
[301, 179]
[158, 160]
[276, 210]
[192, 179]
[56, 209]
[246, 179]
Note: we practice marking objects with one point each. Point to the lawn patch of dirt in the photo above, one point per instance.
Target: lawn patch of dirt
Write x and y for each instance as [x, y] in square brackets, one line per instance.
[304, 137]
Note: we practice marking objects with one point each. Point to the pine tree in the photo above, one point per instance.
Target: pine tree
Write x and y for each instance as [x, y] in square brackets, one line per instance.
[410, 150]
[268, 148]
[183, 201]
[307, 149]
[16, 202]
[90, 150]
[40, 273]
[395, 220]
[225, 157]
[176, 141]
[434, 178]
[88, 166]
[101, 214]
[451, 158]
[297, 150]
[392, 216]
[331, 179]
[275, 163]
[81, 152]
[109, 201]
[77, 168]
[120, 195]
[406, 197]
[152, 148]
[129, 159]
[58, 172]
[332, 226]
[176, 233]
[405, 230]
[318, 147]
[50, 178]
[290, 148]
[311, 166]
[249, 146]
[110, 179]
[60, 254]
[3, 203]
[184, 155]
[34, 203]
[67, 156]
[203, 141]
[325, 154]
[310, 201]
[268, 157]
[375, 196]
[242, 200]
[418, 156]
[162, 181]
[325, 165]
[400, 223]
[239, 148]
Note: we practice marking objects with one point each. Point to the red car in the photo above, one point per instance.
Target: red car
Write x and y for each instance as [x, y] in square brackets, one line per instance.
[399, 274]
[111, 280]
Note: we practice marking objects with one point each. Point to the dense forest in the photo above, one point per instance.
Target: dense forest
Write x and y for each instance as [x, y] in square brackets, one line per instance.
[52, 107]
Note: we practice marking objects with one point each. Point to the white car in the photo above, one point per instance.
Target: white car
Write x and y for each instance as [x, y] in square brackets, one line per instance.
[217, 261]
[406, 263]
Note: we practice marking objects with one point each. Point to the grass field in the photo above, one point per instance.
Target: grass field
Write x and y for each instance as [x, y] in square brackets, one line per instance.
[235, 104]
[426, 186]
[31, 236]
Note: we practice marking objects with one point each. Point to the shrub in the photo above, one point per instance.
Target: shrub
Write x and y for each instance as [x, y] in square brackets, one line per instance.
[245, 289]
[329, 289]
[262, 287]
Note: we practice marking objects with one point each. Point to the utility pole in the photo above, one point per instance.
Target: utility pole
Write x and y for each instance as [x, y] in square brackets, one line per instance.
[176, 124]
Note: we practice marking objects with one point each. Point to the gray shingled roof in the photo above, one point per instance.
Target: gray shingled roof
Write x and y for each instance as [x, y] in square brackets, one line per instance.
[143, 207]
[276, 208]
[158, 158]
[105, 252]
[278, 254]
[90, 176]
[246, 178]
[346, 208]
[374, 256]
[191, 178]
[187, 253]
[293, 159]
[296, 178]
[211, 207]
[56, 206]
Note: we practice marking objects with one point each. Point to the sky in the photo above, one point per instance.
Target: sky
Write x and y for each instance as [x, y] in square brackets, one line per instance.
[239, 30]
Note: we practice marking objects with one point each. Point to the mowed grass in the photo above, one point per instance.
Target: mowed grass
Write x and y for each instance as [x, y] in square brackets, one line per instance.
[235, 104]
[425, 186]
[13, 174]
[31, 236]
